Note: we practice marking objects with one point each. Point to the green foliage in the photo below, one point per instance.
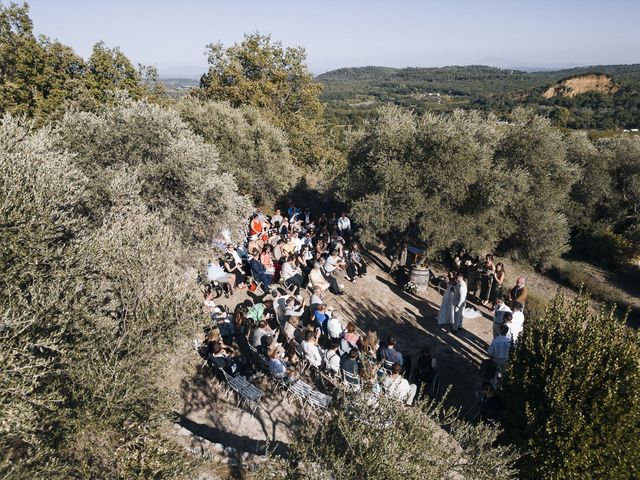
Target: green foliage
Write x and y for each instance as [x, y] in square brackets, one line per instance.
[571, 393]
[532, 145]
[39, 78]
[379, 439]
[250, 148]
[460, 179]
[260, 73]
[92, 297]
[175, 171]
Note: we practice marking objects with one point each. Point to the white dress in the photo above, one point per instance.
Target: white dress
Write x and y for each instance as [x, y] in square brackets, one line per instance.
[446, 313]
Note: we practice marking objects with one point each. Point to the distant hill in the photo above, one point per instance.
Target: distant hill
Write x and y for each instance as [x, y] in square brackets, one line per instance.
[580, 84]
[353, 94]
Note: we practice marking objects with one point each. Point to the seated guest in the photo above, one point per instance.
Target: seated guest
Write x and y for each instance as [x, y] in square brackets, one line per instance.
[390, 354]
[289, 246]
[332, 358]
[234, 268]
[312, 352]
[499, 349]
[291, 274]
[293, 308]
[355, 264]
[334, 326]
[279, 369]
[398, 387]
[349, 363]
[220, 358]
[267, 260]
[259, 272]
[255, 243]
[215, 273]
[292, 330]
[316, 278]
[351, 335]
[261, 331]
[370, 343]
[316, 299]
[321, 317]
[334, 262]
[276, 220]
[337, 244]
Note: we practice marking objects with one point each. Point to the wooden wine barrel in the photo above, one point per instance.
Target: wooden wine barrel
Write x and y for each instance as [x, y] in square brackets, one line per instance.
[419, 276]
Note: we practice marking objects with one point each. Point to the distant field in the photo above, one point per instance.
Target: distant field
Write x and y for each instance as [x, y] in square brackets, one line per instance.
[353, 94]
[178, 87]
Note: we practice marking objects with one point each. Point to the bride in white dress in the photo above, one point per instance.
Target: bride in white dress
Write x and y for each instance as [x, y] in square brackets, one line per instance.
[446, 313]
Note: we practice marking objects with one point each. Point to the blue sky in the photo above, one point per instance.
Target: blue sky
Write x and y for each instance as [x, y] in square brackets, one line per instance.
[172, 34]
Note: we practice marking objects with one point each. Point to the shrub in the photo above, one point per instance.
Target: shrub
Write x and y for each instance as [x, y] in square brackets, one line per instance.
[378, 439]
[571, 394]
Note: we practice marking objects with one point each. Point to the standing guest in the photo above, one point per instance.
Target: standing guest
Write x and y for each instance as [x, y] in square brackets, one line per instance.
[517, 322]
[491, 410]
[256, 226]
[498, 282]
[519, 293]
[278, 252]
[499, 349]
[500, 309]
[344, 227]
[425, 369]
[486, 280]
[390, 354]
[459, 302]
[446, 314]
[306, 217]
[398, 387]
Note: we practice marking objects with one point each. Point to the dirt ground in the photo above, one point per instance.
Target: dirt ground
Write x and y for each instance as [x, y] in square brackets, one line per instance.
[203, 411]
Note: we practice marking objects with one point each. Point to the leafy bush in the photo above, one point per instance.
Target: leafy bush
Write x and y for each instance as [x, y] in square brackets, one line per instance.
[571, 394]
[379, 439]
[250, 148]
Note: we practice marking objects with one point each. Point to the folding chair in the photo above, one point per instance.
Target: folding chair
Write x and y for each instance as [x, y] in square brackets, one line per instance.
[303, 362]
[387, 365]
[351, 381]
[318, 401]
[300, 390]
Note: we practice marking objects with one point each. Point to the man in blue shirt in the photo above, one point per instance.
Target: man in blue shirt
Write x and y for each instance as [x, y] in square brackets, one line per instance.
[390, 354]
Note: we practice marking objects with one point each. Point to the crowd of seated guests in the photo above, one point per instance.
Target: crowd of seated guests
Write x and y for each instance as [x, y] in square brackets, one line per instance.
[286, 256]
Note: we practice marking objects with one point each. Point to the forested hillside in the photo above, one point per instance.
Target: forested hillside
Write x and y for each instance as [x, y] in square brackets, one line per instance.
[353, 94]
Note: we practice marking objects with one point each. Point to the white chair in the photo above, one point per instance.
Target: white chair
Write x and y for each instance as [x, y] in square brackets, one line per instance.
[351, 380]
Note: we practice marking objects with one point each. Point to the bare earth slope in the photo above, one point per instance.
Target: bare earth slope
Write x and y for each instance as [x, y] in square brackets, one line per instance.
[582, 84]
